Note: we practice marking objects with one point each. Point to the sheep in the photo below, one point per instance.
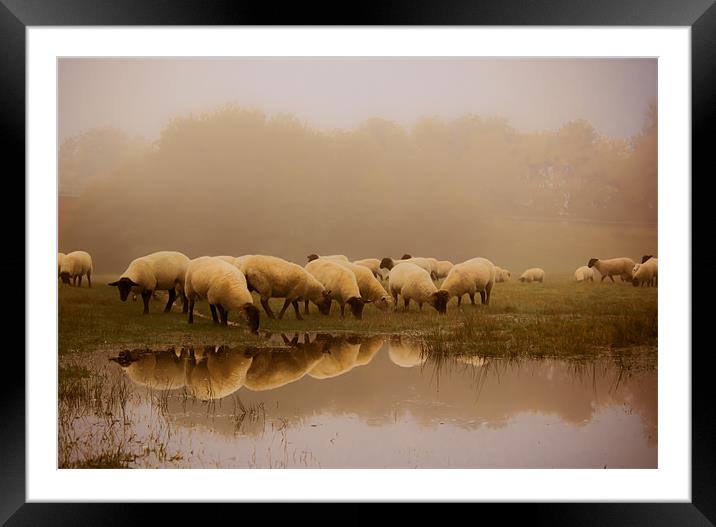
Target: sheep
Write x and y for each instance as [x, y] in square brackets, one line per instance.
[646, 257]
[533, 274]
[646, 273]
[370, 288]
[273, 277]
[469, 277]
[341, 282]
[223, 286]
[429, 264]
[60, 256]
[443, 268]
[159, 271]
[373, 264]
[414, 283]
[74, 266]
[502, 275]
[622, 267]
[584, 274]
[314, 256]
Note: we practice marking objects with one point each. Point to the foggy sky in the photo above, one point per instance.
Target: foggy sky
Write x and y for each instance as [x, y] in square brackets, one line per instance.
[139, 96]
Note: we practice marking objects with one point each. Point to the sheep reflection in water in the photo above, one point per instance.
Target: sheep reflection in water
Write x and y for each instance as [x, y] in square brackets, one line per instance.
[210, 372]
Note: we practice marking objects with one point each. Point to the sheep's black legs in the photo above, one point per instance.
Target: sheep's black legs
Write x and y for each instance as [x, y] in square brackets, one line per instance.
[459, 300]
[224, 316]
[487, 295]
[406, 301]
[305, 308]
[185, 301]
[298, 311]
[343, 310]
[146, 295]
[190, 309]
[483, 297]
[286, 303]
[612, 279]
[472, 298]
[267, 308]
[80, 277]
[213, 313]
[170, 301]
[89, 280]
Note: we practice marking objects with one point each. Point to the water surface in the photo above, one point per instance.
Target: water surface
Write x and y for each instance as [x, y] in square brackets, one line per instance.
[341, 401]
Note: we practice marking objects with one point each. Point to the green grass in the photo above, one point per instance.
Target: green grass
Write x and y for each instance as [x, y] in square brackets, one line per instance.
[559, 317]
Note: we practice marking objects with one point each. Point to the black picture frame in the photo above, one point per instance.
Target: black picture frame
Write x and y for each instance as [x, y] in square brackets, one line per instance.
[16, 15]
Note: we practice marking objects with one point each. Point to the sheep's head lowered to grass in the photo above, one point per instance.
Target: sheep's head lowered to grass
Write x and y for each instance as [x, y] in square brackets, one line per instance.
[252, 314]
[124, 285]
[357, 304]
[324, 306]
[439, 300]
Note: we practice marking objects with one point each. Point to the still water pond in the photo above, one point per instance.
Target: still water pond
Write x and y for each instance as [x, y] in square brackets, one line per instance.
[331, 401]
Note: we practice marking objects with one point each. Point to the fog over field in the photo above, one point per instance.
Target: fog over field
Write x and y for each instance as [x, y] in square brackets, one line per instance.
[526, 162]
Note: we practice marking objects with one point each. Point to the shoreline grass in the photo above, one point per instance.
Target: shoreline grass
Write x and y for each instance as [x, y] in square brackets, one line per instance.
[557, 318]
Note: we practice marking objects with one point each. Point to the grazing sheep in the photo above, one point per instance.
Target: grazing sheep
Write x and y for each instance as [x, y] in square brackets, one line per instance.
[443, 268]
[223, 286]
[160, 271]
[622, 267]
[74, 266]
[371, 290]
[429, 264]
[469, 277]
[584, 274]
[502, 275]
[414, 283]
[314, 256]
[646, 274]
[534, 274]
[342, 283]
[273, 277]
[60, 256]
[373, 264]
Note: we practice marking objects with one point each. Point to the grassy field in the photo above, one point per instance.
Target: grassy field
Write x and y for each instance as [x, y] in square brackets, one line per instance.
[557, 318]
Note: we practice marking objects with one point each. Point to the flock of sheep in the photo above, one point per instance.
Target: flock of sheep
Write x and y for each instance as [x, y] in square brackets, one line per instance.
[226, 282]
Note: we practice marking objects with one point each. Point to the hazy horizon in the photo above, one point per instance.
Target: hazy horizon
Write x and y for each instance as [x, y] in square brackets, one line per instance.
[140, 96]
[434, 157]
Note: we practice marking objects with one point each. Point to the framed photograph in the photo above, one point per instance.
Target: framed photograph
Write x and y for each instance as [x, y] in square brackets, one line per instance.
[429, 248]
